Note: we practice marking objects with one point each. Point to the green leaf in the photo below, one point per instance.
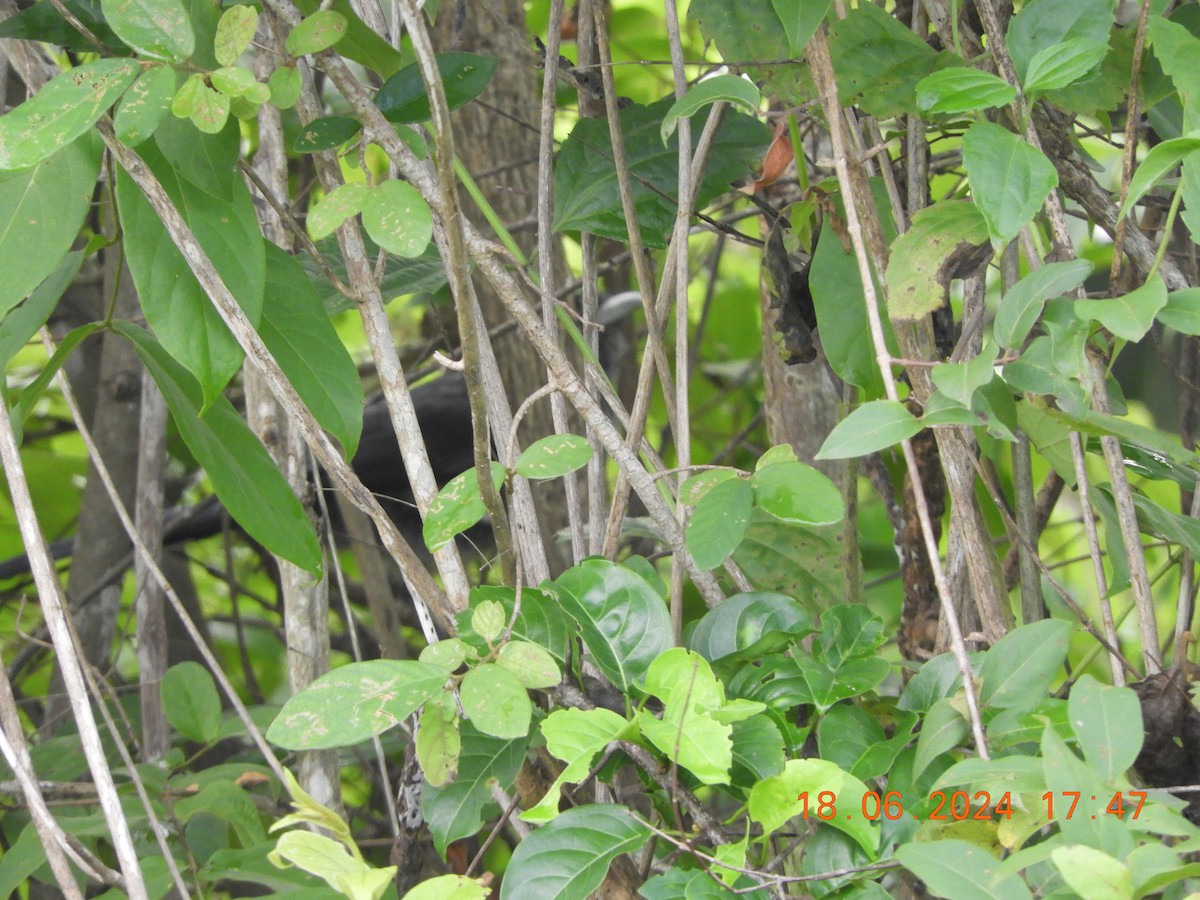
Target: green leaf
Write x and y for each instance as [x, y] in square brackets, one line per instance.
[774, 801]
[923, 259]
[209, 161]
[398, 219]
[456, 811]
[960, 870]
[553, 456]
[321, 30]
[307, 347]
[191, 702]
[438, 742]
[1093, 874]
[763, 29]
[402, 99]
[732, 89]
[1019, 668]
[719, 522]
[1159, 162]
[242, 472]
[188, 98]
[532, 665]
[66, 107]
[207, 109]
[43, 22]
[740, 622]
[228, 802]
[1042, 24]
[960, 381]
[325, 134]
[1108, 724]
[798, 493]
[457, 507]
[943, 729]
[233, 81]
[176, 307]
[335, 208]
[800, 20]
[144, 105]
[496, 702]
[41, 209]
[1182, 311]
[1130, 315]
[235, 31]
[450, 887]
[959, 90]
[331, 861]
[356, 702]
[575, 736]
[1063, 64]
[1022, 305]
[1010, 179]
[569, 857]
[804, 562]
[586, 195]
[22, 323]
[157, 28]
[488, 619]
[285, 85]
[873, 426]
[693, 490]
[624, 622]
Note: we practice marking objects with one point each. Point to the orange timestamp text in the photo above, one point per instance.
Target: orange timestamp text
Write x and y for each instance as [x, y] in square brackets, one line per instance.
[958, 806]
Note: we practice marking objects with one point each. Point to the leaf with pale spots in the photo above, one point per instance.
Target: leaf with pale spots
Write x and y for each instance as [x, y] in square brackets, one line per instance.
[318, 32]
[398, 219]
[234, 33]
[553, 456]
[457, 507]
[158, 28]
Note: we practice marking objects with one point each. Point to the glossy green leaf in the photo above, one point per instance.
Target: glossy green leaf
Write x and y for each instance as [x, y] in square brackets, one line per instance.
[41, 210]
[191, 702]
[1063, 64]
[1159, 162]
[568, 859]
[923, 259]
[325, 134]
[742, 621]
[1010, 178]
[307, 347]
[235, 31]
[950, 92]
[457, 507]
[576, 737]
[719, 522]
[176, 307]
[456, 810]
[1130, 315]
[776, 800]
[66, 107]
[496, 702]
[351, 704]
[1019, 668]
[317, 32]
[624, 622]
[795, 492]
[553, 456]
[731, 89]
[873, 426]
[960, 870]
[586, 195]
[285, 85]
[335, 207]
[402, 99]
[156, 28]
[144, 105]
[245, 478]
[1021, 307]
[398, 219]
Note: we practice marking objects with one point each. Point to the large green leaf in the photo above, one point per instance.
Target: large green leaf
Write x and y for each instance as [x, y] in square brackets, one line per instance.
[157, 28]
[804, 562]
[1010, 178]
[1062, 65]
[397, 218]
[496, 702]
[351, 704]
[360, 43]
[873, 426]
[181, 314]
[191, 701]
[1022, 305]
[796, 792]
[731, 89]
[145, 105]
[20, 325]
[624, 622]
[241, 470]
[575, 736]
[960, 870]
[43, 22]
[464, 77]
[1128, 316]
[795, 492]
[66, 107]
[568, 859]
[742, 621]
[304, 342]
[746, 30]
[719, 522]
[923, 260]
[586, 197]
[1042, 24]
[961, 89]
[41, 210]
[1108, 725]
[1019, 668]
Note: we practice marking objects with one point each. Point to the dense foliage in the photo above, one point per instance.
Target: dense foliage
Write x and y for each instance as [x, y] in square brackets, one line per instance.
[879, 582]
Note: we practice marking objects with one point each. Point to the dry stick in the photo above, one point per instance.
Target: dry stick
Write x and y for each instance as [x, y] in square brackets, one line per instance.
[426, 593]
[683, 216]
[495, 265]
[1139, 576]
[545, 212]
[50, 595]
[488, 400]
[822, 69]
